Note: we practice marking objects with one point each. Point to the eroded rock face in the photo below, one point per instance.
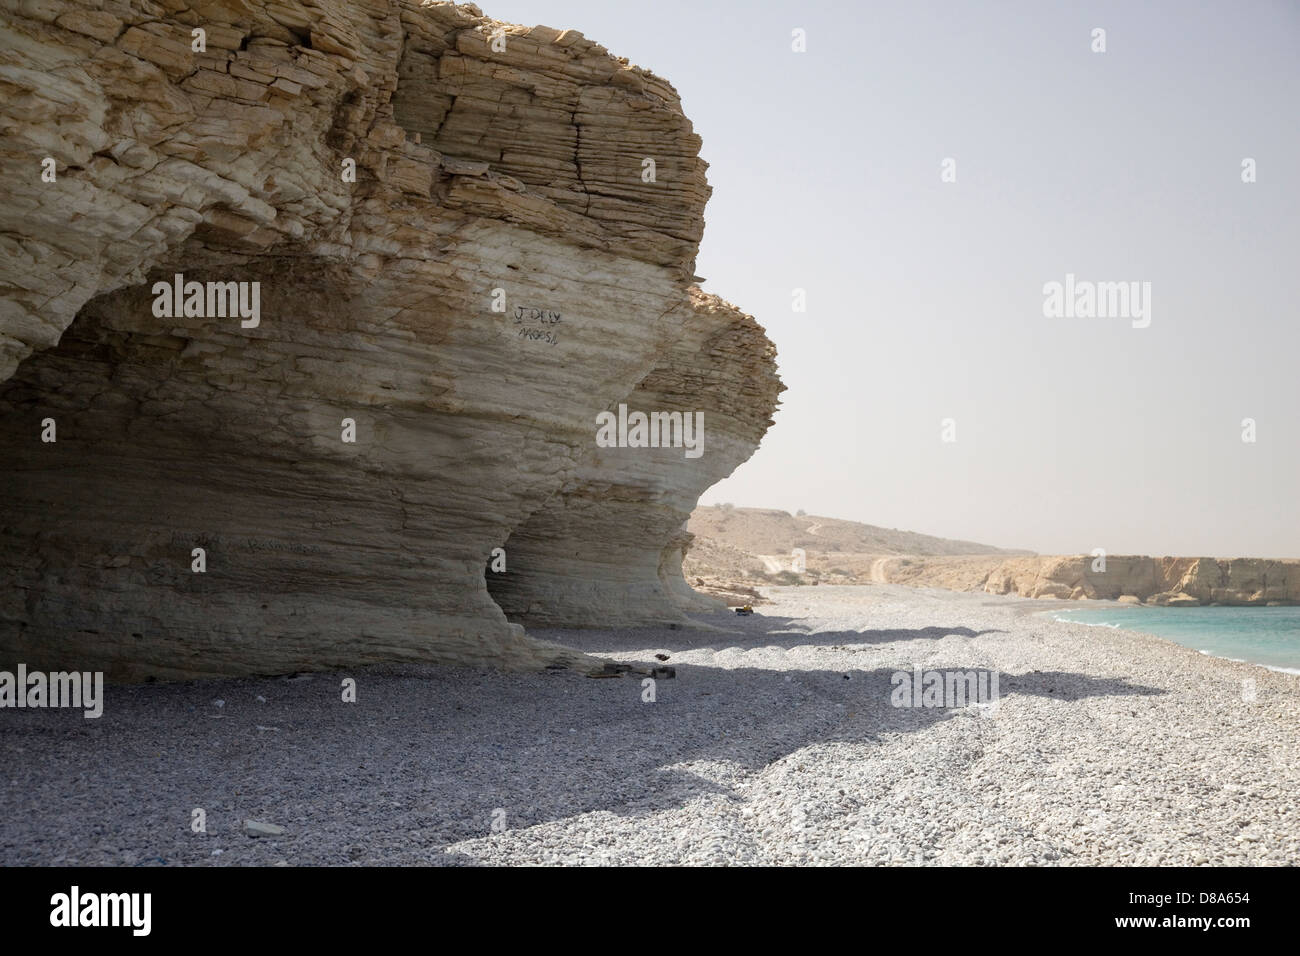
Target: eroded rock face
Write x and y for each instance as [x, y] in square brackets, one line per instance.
[1166, 581]
[609, 547]
[496, 167]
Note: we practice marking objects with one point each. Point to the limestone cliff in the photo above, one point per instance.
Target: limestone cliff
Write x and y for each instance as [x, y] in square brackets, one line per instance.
[1161, 581]
[465, 240]
[610, 545]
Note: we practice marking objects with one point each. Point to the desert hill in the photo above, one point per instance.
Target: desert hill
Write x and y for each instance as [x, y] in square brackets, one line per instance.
[739, 549]
[769, 531]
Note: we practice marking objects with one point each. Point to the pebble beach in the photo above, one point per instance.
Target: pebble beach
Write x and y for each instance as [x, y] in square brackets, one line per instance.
[775, 743]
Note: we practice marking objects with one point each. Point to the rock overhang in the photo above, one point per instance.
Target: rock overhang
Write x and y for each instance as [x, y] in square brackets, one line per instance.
[408, 186]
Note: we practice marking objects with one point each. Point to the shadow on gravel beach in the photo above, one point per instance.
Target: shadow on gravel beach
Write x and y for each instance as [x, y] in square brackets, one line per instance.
[422, 760]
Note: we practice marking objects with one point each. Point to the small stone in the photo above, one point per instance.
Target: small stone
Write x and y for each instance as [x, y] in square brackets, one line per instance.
[464, 167]
[255, 828]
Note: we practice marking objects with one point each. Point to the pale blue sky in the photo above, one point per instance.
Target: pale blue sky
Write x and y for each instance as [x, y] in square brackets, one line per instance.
[925, 298]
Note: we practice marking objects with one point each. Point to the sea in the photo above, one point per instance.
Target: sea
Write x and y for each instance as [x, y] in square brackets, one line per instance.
[1261, 635]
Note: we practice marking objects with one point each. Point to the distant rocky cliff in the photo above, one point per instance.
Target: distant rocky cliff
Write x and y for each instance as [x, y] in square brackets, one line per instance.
[430, 249]
[1161, 581]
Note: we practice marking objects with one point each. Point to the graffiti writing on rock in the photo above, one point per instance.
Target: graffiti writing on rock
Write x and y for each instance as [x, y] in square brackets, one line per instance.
[537, 325]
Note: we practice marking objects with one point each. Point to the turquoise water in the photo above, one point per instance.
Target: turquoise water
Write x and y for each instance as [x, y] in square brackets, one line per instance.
[1261, 635]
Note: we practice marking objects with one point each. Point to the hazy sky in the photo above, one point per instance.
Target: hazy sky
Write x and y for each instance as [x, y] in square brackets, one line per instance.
[925, 299]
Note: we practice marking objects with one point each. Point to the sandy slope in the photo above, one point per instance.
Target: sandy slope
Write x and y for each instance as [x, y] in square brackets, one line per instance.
[770, 531]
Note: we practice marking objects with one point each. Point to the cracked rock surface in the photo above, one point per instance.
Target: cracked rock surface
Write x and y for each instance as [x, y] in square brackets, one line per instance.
[458, 258]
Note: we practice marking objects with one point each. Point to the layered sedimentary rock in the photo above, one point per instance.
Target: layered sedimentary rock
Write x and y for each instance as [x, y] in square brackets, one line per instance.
[459, 261]
[609, 546]
[1163, 581]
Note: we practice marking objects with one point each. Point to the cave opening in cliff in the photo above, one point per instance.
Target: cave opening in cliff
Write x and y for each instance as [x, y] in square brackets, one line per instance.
[187, 493]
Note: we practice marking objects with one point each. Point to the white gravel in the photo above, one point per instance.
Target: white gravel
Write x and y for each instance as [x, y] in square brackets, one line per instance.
[1106, 747]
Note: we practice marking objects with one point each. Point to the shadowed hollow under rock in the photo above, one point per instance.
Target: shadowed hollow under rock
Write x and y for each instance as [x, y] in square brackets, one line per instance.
[486, 174]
